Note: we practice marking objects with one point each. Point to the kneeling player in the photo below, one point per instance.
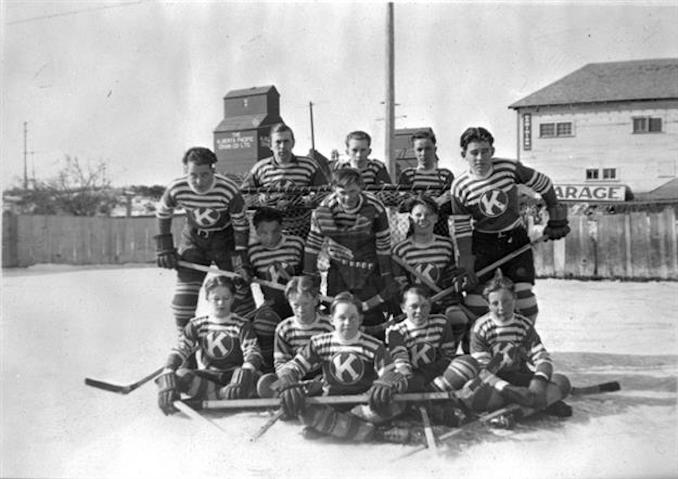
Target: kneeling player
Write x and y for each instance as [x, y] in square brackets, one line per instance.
[275, 257]
[523, 368]
[352, 363]
[229, 351]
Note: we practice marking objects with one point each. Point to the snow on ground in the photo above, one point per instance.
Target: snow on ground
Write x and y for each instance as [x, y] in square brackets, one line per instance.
[62, 324]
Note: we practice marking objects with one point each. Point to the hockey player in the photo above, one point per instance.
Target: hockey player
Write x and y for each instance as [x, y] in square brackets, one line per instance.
[487, 194]
[274, 256]
[228, 349]
[427, 174]
[352, 363]
[216, 230]
[358, 149]
[359, 244]
[285, 169]
[509, 339]
[432, 257]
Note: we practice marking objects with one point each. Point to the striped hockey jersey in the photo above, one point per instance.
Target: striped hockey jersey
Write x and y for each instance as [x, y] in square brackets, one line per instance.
[225, 343]
[433, 260]
[365, 231]
[277, 264]
[301, 171]
[374, 172]
[438, 178]
[515, 340]
[492, 202]
[349, 367]
[291, 337]
[428, 347]
[217, 209]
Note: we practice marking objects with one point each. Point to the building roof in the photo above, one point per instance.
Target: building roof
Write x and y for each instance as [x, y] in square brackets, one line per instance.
[243, 122]
[609, 82]
[667, 191]
[256, 90]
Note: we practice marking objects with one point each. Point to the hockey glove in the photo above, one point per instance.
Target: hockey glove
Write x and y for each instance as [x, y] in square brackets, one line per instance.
[166, 253]
[381, 393]
[292, 396]
[167, 391]
[558, 225]
[242, 386]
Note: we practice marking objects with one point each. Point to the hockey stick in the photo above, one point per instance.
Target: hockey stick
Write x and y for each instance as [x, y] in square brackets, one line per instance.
[120, 389]
[231, 274]
[269, 423]
[514, 408]
[193, 414]
[346, 399]
[428, 430]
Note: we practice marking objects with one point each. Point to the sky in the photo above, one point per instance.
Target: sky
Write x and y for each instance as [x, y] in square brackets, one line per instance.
[136, 83]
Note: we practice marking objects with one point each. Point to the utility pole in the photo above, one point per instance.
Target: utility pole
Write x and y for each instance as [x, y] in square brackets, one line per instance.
[389, 123]
[310, 110]
[25, 155]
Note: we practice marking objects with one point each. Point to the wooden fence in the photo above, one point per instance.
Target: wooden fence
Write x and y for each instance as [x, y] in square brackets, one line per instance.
[636, 245]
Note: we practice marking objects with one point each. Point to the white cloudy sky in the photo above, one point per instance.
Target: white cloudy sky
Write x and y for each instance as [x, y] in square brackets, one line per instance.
[136, 83]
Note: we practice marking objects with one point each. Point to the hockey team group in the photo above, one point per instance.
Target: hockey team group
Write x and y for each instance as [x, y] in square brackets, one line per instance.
[406, 317]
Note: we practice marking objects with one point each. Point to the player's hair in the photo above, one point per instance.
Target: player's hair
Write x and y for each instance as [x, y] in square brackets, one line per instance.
[200, 156]
[280, 128]
[420, 199]
[216, 281]
[307, 284]
[475, 133]
[347, 176]
[419, 289]
[359, 135]
[497, 283]
[423, 135]
[266, 214]
[346, 298]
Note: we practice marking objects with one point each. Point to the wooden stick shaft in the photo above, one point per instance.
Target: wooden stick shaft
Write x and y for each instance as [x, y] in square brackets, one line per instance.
[193, 414]
[401, 262]
[348, 399]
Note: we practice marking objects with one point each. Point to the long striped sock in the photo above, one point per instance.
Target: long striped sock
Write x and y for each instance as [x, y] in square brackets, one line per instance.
[461, 370]
[526, 301]
[184, 302]
[328, 421]
[196, 386]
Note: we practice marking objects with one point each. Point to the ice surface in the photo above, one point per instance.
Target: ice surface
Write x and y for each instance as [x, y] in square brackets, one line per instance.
[62, 324]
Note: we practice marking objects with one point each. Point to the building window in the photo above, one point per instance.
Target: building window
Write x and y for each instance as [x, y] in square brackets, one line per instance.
[647, 124]
[552, 130]
[609, 173]
[592, 173]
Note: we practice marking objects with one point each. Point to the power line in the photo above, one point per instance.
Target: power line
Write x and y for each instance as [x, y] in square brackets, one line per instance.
[73, 12]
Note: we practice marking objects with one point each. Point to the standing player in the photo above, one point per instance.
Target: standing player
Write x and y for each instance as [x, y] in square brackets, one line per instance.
[229, 351]
[427, 174]
[216, 231]
[274, 256]
[352, 363]
[285, 169]
[432, 257]
[487, 194]
[525, 371]
[359, 244]
[358, 150]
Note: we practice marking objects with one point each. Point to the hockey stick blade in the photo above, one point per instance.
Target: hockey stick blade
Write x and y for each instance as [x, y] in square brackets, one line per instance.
[608, 387]
[121, 389]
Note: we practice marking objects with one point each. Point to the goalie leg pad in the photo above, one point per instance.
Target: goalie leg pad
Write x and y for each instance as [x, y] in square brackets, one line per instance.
[459, 372]
[526, 301]
[331, 422]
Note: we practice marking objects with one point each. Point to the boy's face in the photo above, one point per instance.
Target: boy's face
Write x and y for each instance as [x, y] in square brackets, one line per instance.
[416, 307]
[220, 300]
[502, 304]
[425, 152]
[478, 155]
[346, 320]
[358, 150]
[423, 218]
[269, 233]
[349, 195]
[200, 177]
[282, 144]
[304, 307]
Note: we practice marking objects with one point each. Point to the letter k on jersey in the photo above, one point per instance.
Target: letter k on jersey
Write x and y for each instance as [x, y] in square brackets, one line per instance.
[493, 203]
[347, 368]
